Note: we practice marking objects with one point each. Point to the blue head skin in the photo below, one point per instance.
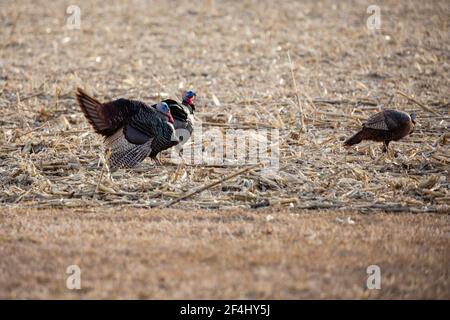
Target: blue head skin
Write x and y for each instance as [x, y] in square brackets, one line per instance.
[164, 108]
[188, 99]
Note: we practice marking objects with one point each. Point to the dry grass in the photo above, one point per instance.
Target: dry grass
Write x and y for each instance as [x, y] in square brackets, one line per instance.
[231, 254]
[236, 55]
[254, 64]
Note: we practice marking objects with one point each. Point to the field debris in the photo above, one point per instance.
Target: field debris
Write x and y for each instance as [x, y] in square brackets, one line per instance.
[281, 67]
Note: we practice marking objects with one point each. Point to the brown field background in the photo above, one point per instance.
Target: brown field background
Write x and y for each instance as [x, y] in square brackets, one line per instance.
[331, 212]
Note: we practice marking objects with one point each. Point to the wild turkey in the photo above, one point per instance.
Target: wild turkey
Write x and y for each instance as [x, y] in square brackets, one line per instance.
[182, 114]
[386, 126]
[132, 129]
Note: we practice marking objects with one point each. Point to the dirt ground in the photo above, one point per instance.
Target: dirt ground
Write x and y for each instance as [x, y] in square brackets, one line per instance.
[239, 254]
[235, 56]
[241, 58]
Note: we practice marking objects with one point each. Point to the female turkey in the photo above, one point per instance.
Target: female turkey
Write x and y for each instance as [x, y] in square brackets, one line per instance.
[132, 129]
[386, 126]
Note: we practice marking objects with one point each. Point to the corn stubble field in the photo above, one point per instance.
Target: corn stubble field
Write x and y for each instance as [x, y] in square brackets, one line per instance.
[307, 230]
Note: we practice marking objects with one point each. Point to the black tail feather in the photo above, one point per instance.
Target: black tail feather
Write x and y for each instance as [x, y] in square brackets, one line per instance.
[355, 139]
[93, 110]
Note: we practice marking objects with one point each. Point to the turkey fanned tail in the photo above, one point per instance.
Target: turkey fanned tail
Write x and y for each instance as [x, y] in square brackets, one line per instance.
[93, 110]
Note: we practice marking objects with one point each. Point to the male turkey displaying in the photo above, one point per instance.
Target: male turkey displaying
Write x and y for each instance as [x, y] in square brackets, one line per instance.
[182, 115]
[132, 129]
[386, 126]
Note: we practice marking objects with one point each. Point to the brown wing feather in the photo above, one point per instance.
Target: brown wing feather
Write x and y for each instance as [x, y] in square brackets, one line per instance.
[377, 121]
[123, 153]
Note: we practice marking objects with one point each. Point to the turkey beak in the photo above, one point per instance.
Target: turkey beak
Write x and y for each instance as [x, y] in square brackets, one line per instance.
[415, 126]
[191, 102]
